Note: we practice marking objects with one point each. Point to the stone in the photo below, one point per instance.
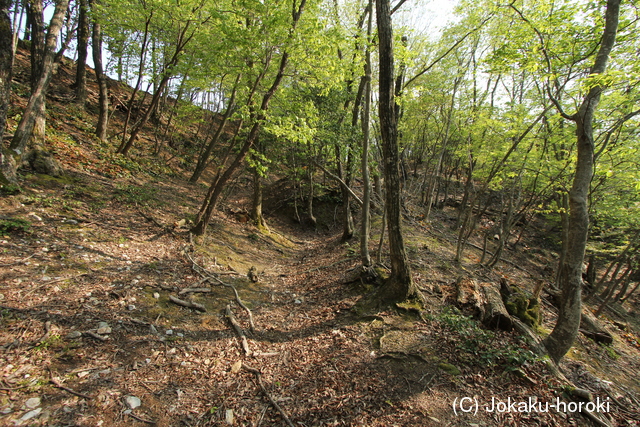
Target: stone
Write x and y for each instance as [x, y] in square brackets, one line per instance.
[103, 328]
[31, 414]
[132, 402]
[32, 403]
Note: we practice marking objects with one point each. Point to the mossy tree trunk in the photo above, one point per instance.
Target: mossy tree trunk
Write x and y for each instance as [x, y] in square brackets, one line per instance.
[30, 131]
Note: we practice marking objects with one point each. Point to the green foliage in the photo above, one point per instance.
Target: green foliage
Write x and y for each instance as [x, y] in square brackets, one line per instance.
[478, 346]
[135, 194]
[9, 190]
[13, 225]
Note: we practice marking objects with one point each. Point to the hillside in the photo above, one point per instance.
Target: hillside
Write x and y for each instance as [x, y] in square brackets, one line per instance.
[90, 336]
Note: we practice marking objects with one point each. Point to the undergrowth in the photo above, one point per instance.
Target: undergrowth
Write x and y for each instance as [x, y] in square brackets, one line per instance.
[478, 346]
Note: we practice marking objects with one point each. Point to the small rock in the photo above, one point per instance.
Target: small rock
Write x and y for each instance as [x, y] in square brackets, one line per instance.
[297, 301]
[132, 402]
[228, 416]
[153, 330]
[180, 335]
[74, 335]
[131, 307]
[70, 221]
[32, 403]
[31, 414]
[235, 368]
[169, 332]
[103, 328]
[34, 216]
[156, 295]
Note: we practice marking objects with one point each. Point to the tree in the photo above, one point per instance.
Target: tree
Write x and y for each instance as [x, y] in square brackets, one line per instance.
[83, 44]
[32, 122]
[399, 285]
[103, 97]
[257, 118]
[566, 329]
[7, 163]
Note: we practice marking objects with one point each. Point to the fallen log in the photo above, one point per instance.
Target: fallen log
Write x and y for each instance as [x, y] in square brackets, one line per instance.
[495, 313]
[485, 301]
[195, 290]
[273, 402]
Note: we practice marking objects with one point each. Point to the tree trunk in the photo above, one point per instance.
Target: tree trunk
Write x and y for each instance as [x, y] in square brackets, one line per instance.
[399, 285]
[103, 115]
[366, 181]
[256, 208]
[181, 43]
[83, 45]
[7, 163]
[565, 331]
[32, 121]
[310, 195]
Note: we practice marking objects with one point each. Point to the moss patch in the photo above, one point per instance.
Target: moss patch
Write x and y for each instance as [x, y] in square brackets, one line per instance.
[524, 306]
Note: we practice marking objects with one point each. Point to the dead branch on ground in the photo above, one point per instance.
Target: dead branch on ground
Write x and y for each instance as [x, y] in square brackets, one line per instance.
[188, 304]
[236, 326]
[258, 376]
[213, 278]
[57, 383]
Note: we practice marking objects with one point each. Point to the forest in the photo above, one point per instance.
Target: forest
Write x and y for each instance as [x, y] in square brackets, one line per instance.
[319, 212]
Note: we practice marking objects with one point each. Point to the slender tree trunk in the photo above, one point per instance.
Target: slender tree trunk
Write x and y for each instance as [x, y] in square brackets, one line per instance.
[310, 196]
[6, 63]
[256, 208]
[399, 285]
[18, 14]
[136, 88]
[203, 159]
[103, 115]
[365, 223]
[566, 329]
[83, 46]
[7, 163]
[181, 43]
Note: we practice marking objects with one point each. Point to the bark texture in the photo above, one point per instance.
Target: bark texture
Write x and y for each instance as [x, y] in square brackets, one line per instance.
[32, 123]
[7, 165]
[103, 115]
[399, 285]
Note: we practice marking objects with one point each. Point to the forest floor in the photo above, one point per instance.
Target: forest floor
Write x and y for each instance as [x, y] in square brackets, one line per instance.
[90, 337]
